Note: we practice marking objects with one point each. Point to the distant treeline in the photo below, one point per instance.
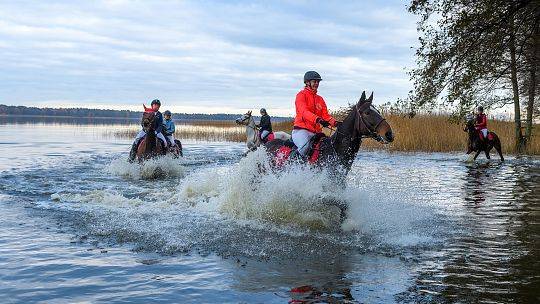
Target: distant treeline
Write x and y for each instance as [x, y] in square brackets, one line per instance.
[99, 113]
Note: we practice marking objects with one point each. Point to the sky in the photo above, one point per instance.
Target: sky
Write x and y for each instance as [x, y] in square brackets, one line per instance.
[202, 56]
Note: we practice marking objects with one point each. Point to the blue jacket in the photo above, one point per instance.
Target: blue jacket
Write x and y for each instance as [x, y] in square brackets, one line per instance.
[169, 127]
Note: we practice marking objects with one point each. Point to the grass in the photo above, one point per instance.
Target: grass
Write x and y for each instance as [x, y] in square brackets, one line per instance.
[426, 133]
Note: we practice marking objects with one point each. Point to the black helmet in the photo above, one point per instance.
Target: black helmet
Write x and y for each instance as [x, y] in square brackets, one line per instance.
[263, 110]
[481, 109]
[311, 75]
[167, 112]
[155, 101]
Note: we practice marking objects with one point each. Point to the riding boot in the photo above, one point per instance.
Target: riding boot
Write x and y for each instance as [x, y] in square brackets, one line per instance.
[133, 152]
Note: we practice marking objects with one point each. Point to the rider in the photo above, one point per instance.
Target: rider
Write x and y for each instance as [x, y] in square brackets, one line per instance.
[265, 125]
[169, 127]
[158, 126]
[311, 113]
[481, 123]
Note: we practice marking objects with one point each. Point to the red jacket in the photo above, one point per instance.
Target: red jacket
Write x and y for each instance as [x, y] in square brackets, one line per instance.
[481, 121]
[309, 107]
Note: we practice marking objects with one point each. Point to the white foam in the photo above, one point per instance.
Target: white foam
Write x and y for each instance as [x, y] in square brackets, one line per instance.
[295, 196]
[99, 197]
[165, 166]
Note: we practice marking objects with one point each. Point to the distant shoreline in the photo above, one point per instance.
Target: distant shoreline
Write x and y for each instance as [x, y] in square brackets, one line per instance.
[86, 113]
[2, 115]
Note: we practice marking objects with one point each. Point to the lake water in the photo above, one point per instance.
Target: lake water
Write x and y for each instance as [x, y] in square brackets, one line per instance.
[80, 224]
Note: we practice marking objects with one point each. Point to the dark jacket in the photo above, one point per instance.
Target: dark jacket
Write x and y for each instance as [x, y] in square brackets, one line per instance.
[158, 122]
[265, 123]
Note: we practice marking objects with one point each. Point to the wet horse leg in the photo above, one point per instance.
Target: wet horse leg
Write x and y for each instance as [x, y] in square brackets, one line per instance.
[476, 155]
[499, 150]
[487, 152]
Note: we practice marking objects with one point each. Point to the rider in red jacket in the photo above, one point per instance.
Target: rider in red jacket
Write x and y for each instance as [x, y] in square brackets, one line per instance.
[311, 113]
[481, 123]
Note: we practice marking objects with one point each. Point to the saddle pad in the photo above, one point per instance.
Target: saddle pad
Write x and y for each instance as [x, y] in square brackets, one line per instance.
[282, 155]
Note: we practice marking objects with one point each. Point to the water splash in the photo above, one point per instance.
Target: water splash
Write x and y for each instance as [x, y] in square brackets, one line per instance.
[244, 192]
[161, 167]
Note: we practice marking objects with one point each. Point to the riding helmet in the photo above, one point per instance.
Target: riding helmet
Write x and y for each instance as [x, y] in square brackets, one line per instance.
[481, 109]
[311, 75]
[155, 101]
[263, 110]
[167, 112]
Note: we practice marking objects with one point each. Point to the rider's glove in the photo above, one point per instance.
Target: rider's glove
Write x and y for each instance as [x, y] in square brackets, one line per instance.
[323, 122]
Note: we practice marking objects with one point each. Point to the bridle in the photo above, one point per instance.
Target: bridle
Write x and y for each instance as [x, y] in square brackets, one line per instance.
[245, 122]
[148, 122]
[360, 123]
[372, 132]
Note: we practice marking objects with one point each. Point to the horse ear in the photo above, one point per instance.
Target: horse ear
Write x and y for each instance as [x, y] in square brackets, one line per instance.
[370, 99]
[363, 97]
[249, 112]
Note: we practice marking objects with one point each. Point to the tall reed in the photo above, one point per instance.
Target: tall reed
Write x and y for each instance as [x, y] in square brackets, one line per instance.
[427, 133]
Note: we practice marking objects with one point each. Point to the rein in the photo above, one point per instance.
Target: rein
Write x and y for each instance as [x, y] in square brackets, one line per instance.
[360, 118]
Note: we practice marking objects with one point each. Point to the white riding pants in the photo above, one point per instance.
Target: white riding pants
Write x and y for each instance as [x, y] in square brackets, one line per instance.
[171, 139]
[301, 138]
[141, 134]
[484, 132]
[264, 133]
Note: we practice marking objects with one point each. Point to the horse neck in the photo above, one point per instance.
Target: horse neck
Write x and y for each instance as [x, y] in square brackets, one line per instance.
[150, 139]
[251, 131]
[345, 141]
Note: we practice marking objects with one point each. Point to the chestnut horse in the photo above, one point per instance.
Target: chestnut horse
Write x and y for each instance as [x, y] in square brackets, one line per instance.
[150, 146]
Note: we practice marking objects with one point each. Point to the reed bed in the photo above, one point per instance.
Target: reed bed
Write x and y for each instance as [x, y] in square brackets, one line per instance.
[436, 133]
[423, 133]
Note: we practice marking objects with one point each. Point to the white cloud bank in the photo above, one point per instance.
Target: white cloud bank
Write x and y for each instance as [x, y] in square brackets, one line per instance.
[201, 56]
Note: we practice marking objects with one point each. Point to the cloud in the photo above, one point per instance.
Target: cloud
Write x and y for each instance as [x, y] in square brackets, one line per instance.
[209, 55]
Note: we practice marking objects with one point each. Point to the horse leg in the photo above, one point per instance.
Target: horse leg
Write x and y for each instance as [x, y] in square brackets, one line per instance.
[476, 155]
[487, 152]
[499, 150]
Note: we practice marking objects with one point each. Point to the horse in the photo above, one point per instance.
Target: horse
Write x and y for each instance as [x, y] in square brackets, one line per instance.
[253, 138]
[337, 152]
[151, 146]
[475, 144]
[340, 149]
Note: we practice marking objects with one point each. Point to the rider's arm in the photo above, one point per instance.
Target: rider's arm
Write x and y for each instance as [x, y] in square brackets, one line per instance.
[172, 128]
[326, 116]
[302, 111]
[159, 124]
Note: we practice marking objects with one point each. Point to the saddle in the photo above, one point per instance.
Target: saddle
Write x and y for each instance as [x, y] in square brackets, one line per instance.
[489, 136]
[289, 149]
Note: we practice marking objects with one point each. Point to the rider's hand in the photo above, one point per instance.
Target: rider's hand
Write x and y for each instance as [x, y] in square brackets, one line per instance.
[323, 122]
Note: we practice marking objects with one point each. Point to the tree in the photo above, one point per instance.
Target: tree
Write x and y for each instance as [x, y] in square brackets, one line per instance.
[473, 52]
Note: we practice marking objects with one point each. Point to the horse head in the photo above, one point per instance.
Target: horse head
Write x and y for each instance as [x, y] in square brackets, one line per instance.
[368, 122]
[469, 123]
[148, 121]
[244, 119]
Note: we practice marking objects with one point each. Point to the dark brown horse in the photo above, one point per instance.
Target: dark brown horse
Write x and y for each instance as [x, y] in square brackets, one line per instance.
[150, 146]
[476, 144]
[338, 151]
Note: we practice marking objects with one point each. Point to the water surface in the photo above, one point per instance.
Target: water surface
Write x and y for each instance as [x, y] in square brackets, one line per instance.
[81, 224]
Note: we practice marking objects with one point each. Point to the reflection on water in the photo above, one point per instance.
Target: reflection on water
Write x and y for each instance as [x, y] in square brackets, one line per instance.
[80, 224]
[495, 254]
